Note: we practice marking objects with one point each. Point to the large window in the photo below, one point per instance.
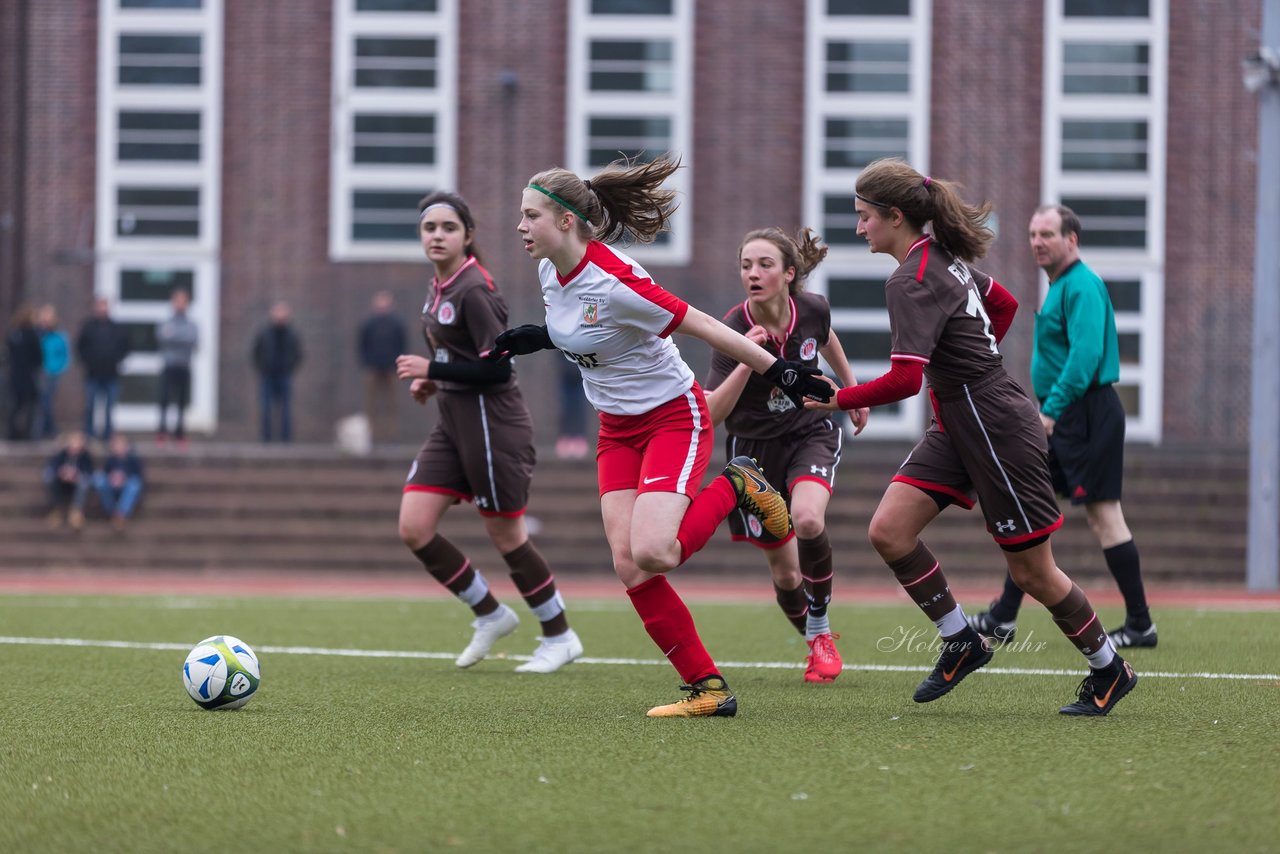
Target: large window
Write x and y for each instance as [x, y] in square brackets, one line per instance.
[867, 82]
[630, 95]
[159, 158]
[1105, 78]
[394, 96]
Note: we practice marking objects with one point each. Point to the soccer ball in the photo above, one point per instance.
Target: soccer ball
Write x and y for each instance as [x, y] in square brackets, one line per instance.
[221, 672]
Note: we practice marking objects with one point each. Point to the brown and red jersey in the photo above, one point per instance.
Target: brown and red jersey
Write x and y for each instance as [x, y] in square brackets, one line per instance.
[763, 411]
[460, 320]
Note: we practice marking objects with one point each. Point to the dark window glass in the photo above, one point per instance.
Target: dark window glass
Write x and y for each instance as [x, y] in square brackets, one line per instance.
[630, 66]
[866, 345]
[394, 138]
[141, 335]
[631, 7]
[840, 221]
[154, 285]
[161, 4]
[1106, 8]
[396, 6]
[1105, 68]
[1111, 223]
[896, 8]
[868, 66]
[641, 137]
[1104, 146]
[159, 135]
[853, 143]
[1129, 398]
[396, 63]
[158, 212]
[159, 60]
[385, 214]
[1130, 347]
[1126, 294]
[856, 293]
[141, 388]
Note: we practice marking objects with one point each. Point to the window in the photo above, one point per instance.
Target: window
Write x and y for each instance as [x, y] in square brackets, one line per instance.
[394, 97]
[630, 96]
[1105, 78]
[867, 97]
[159, 153]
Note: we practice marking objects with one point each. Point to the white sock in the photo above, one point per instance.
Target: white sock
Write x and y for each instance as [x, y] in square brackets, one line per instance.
[815, 626]
[1103, 657]
[952, 623]
[477, 591]
[549, 609]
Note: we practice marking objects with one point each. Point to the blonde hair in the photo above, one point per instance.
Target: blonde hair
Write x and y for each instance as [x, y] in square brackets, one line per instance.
[803, 252]
[625, 198]
[960, 228]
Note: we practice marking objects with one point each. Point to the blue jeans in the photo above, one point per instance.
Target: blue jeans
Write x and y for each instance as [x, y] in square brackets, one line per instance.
[277, 388]
[118, 502]
[46, 427]
[108, 391]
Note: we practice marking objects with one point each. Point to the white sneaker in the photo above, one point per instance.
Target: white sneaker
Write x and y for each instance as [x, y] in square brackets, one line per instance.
[489, 629]
[553, 653]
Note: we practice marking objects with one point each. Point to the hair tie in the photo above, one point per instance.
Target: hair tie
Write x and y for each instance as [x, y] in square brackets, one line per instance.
[927, 180]
[587, 184]
[561, 202]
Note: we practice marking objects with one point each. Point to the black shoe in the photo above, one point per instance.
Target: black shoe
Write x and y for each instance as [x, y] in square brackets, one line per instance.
[959, 658]
[758, 497]
[1102, 689]
[989, 627]
[1126, 635]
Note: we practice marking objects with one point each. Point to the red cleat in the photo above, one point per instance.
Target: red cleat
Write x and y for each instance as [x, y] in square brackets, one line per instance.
[824, 659]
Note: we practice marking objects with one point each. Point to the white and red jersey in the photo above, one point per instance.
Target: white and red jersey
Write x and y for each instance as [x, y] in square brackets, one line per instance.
[609, 318]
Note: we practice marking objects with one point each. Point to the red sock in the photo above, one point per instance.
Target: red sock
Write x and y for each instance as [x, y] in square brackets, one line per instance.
[704, 515]
[669, 623]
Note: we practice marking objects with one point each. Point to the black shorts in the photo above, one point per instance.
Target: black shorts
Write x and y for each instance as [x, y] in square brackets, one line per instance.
[1086, 450]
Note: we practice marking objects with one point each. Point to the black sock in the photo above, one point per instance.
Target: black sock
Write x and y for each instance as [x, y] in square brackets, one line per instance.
[1005, 609]
[1123, 562]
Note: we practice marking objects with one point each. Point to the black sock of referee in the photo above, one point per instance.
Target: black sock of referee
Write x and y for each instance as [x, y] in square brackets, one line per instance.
[1123, 562]
[1005, 609]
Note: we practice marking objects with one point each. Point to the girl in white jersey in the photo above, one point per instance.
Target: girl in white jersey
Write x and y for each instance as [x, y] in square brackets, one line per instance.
[606, 314]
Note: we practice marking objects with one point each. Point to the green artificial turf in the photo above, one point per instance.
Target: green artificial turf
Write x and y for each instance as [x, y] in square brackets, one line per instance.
[101, 749]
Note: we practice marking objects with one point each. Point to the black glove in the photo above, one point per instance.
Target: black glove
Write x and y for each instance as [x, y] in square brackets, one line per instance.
[520, 341]
[798, 381]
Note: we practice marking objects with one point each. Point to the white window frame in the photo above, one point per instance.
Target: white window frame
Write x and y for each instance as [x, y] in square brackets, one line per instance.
[821, 181]
[1146, 264]
[199, 254]
[346, 176]
[676, 106]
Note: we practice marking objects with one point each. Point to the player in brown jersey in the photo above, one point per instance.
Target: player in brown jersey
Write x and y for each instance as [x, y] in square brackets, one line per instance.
[798, 448]
[945, 321]
[482, 447]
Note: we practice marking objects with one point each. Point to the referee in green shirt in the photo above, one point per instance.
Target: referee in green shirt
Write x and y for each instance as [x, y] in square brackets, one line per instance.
[1075, 362]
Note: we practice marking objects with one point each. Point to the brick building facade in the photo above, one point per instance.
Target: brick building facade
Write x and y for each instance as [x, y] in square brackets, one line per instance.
[1135, 107]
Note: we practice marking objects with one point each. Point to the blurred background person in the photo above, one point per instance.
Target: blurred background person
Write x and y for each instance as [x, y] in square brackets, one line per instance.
[55, 347]
[572, 444]
[25, 357]
[101, 346]
[277, 352]
[177, 338]
[119, 482]
[381, 340]
[67, 475]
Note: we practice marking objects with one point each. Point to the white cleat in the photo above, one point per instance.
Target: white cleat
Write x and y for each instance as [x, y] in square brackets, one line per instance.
[553, 653]
[489, 629]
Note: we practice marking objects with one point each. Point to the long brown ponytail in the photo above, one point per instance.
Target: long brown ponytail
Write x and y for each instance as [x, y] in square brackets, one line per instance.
[961, 228]
[625, 198]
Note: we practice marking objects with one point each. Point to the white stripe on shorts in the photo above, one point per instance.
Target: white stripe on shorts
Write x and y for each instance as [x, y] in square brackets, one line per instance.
[687, 469]
[978, 420]
[488, 455]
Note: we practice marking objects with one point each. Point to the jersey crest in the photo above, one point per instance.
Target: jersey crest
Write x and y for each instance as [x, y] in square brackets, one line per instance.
[447, 314]
[808, 349]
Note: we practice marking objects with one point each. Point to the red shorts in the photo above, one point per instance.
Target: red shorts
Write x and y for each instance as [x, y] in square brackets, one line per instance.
[667, 449]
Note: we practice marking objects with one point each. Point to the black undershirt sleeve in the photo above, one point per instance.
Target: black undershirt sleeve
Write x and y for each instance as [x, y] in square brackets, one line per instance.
[471, 373]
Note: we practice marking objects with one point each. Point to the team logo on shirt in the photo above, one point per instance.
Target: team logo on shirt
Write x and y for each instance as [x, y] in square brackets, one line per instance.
[808, 349]
[779, 402]
[590, 313]
[447, 313]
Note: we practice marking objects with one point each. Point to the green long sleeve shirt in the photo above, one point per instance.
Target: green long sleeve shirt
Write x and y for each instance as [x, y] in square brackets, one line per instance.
[1075, 340]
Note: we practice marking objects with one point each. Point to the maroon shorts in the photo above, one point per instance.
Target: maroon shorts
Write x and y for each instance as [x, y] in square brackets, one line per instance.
[987, 441]
[666, 449]
[812, 454]
[480, 451]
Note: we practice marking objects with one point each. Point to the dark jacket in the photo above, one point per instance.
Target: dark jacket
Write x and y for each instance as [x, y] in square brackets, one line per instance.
[129, 464]
[26, 355]
[82, 461]
[381, 341]
[277, 350]
[102, 346]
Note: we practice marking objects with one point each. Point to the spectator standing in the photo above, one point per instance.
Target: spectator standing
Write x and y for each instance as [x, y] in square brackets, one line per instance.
[67, 475]
[101, 346]
[56, 349]
[25, 357]
[119, 482]
[277, 352]
[381, 340]
[572, 444]
[177, 338]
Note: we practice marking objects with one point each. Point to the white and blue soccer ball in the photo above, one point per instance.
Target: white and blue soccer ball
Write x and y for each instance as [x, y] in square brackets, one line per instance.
[221, 672]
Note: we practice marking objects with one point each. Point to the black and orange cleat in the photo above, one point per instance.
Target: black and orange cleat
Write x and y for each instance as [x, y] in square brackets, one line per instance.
[1102, 689]
[758, 497]
[960, 657]
[1128, 636]
[708, 698]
